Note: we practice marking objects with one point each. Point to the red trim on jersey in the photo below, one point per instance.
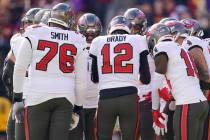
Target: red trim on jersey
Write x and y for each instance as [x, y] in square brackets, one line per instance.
[209, 130]
[184, 122]
[168, 83]
[138, 119]
[26, 123]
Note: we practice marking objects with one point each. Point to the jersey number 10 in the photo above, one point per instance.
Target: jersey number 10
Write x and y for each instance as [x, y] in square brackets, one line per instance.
[66, 62]
[191, 67]
[118, 59]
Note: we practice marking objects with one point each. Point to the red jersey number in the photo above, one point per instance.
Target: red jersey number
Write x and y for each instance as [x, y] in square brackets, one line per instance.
[125, 53]
[191, 67]
[66, 62]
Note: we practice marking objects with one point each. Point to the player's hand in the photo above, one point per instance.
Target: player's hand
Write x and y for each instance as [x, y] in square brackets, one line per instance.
[164, 93]
[148, 96]
[18, 107]
[74, 121]
[156, 118]
[158, 130]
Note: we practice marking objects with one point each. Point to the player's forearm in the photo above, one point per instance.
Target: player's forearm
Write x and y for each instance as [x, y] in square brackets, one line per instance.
[144, 70]
[201, 64]
[18, 78]
[94, 70]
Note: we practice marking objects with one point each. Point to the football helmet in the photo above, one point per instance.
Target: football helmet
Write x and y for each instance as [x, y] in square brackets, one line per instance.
[62, 14]
[39, 15]
[177, 29]
[137, 19]
[194, 27]
[45, 17]
[163, 20]
[90, 26]
[28, 18]
[157, 33]
[119, 23]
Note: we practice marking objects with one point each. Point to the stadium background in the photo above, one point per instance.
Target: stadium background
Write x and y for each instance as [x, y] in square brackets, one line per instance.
[11, 12]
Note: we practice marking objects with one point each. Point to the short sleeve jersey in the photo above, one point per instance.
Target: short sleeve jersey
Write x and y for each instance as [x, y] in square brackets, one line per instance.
[118, 59]
[15, 41]
[181, 73]
[54, 53]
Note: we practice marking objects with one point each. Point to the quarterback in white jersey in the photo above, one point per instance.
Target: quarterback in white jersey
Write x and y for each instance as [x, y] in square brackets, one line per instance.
[90, 26]
[117, 60]
[177, 65]
[56, 74]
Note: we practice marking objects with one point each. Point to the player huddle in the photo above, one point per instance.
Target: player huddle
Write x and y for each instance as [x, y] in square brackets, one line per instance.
[68, 82]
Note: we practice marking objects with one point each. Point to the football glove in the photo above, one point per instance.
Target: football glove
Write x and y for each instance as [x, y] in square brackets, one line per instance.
[74, 121]
[159, 130]
[164, 93]
[148, 96]
[156, 116]
[17, 109]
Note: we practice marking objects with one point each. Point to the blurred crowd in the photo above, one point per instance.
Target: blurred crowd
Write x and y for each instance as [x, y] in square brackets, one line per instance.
[11, 12]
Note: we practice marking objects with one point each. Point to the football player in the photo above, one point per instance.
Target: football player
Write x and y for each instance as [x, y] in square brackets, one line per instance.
[117, 60]
[53, 54]
[195, 46]
[90, 26]
[206, 135]
[139, 26]
[38, 18]
[16, 130]
[196, 30]
[174, 62]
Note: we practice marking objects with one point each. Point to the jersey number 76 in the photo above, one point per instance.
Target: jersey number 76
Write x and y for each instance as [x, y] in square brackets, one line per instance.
[66, 62]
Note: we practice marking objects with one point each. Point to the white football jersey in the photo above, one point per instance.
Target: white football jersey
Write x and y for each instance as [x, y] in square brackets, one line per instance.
[118, 59]
[191, 41]
[92, 92]
[181, 72]
[206, 51]
[15, 42]
[52, 70]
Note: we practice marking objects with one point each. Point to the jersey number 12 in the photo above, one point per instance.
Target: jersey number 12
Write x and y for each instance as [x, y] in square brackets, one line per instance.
[118, 59]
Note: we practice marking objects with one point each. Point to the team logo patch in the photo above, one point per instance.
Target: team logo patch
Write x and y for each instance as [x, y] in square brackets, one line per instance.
[189, 43]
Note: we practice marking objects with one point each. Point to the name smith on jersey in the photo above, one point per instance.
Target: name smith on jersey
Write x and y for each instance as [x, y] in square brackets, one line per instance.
[59, 36]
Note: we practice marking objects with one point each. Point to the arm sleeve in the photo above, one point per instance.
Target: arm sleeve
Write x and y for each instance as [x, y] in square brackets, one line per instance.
[144, 71]
[94, 69]
[23, 60]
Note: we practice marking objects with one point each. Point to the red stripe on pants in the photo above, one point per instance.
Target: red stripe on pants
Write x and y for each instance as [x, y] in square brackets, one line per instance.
[26, 123]
[209, 130]
[184, 122]
[138, 120]
[96, 127]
